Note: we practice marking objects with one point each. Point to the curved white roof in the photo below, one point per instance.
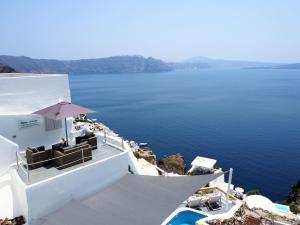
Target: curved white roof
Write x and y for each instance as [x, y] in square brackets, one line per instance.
[259, 201]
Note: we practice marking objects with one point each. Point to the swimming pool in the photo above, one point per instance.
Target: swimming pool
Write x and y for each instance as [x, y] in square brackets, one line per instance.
[186, 217]
[282, 208]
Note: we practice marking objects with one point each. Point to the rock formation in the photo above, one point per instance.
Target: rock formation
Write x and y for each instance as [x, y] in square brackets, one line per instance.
[172, 164]
[147, 154]
[6, 69]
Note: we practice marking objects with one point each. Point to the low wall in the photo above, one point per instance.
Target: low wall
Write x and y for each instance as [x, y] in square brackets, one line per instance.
[8, 151]
[51, 194]
[117, 143]
[222, 216]
[18, 195]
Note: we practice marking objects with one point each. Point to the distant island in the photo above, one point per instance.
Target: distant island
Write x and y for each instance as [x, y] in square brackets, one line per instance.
[289, 66]
[294, 66]
[129, 64]
[115, 64]
[204, 62]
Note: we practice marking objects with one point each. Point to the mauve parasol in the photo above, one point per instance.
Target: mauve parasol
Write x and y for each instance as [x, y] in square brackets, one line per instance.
[61, 111]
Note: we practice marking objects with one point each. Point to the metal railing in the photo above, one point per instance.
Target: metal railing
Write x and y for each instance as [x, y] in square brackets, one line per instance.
[25, 167]
[114, 142]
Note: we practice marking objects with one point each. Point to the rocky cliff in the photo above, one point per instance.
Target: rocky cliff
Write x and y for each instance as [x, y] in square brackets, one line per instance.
[6, 69]
[116, 64]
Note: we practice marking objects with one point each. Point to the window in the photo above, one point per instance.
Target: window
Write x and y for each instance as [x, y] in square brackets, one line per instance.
[52, 124]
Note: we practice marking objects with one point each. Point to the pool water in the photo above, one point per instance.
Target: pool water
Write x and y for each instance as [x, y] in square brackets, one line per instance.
[186, 217]
[282, 208]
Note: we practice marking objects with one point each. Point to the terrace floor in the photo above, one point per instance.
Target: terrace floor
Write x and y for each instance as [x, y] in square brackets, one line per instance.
[103, 151]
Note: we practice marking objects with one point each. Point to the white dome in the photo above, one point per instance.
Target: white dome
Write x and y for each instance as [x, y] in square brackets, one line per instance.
[261, 202]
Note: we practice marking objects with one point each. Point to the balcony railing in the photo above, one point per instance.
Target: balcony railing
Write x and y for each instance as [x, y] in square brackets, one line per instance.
[28, 168]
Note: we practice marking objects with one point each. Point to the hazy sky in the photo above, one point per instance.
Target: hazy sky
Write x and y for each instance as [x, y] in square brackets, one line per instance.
[173, 30]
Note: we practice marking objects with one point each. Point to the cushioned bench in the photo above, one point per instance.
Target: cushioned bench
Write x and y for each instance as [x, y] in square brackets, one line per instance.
[72, 155]
[38, 157]
[90, 138]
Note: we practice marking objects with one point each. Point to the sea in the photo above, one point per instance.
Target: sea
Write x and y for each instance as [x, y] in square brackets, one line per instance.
[247, 119]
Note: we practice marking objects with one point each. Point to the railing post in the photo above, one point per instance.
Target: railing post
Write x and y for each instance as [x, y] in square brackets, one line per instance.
[82, 155]
[28, 178]
[228, 188]
[17, 161]
[104, 135]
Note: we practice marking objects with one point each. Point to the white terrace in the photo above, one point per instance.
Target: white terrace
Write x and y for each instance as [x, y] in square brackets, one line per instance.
[107, 148]
[23, 189]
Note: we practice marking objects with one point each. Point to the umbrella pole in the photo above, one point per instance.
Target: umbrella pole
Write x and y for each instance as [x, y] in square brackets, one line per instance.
[66, 129]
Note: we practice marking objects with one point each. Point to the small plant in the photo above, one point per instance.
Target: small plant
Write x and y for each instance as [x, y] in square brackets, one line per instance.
[193, 173]
[216, 167]
[137, 155]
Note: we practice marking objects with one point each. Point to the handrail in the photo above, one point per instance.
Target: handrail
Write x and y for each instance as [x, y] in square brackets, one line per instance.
[122, 147]
[219, 189]
[21, 163]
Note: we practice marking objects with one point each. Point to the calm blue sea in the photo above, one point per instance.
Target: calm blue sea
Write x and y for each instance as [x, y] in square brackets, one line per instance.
[247, 119]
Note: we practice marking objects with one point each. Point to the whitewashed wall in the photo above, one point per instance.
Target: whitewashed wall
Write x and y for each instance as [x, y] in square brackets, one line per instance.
[76, 184]
[117, 142]
[20, 96]
[25, 94]
[20, 206]
[8, 153]
[31, 136]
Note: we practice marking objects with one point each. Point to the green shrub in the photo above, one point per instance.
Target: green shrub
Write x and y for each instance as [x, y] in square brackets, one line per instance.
[174, 164]
[193, 173]
[295, 208]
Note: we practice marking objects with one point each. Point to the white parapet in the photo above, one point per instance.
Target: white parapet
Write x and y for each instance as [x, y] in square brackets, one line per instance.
[6, 197]
[74, 184]
[22, 94]
[8, 151]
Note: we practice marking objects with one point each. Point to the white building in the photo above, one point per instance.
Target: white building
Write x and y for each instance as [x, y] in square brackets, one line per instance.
[35, 193]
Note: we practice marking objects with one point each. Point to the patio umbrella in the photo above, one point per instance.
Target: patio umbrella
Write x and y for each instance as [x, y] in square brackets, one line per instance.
[61, 111]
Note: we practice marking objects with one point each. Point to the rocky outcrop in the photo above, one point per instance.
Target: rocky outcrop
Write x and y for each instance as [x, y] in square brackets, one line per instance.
[246, 216]
[147, 154]
[172, 164]
[293, 199]
[6, 69]
[16, 221]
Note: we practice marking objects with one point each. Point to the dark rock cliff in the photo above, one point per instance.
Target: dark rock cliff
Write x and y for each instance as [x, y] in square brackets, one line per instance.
[6, 69]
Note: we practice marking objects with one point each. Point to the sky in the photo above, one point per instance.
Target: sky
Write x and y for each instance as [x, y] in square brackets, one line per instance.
[172, 30]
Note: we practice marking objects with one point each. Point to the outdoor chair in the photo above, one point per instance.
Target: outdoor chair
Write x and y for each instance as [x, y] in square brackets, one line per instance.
[90, 138]
[72, 155]
[38, 157]
[214, 203]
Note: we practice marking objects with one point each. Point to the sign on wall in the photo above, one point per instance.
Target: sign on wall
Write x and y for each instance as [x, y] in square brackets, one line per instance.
[29, 123]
